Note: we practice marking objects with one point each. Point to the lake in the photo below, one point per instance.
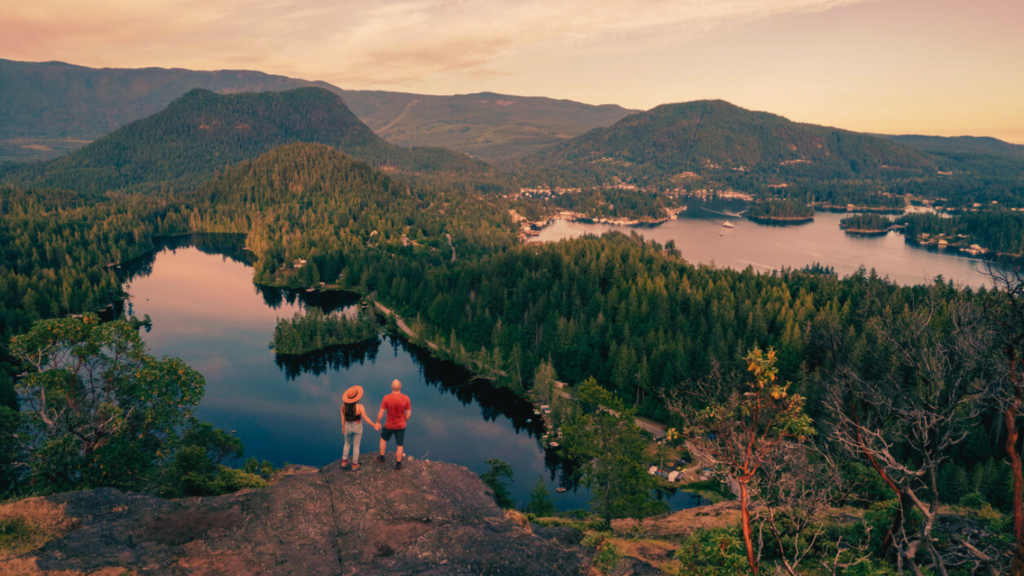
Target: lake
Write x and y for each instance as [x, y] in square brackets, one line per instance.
[701, 237]
[205, 309]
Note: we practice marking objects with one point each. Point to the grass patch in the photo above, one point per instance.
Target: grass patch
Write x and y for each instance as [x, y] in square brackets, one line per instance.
[657, 553]
[28, 524]
[712, 490]
[583, 525]
[16, 537]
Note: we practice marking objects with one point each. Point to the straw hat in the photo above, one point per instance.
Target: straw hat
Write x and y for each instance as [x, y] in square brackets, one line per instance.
[353, 394]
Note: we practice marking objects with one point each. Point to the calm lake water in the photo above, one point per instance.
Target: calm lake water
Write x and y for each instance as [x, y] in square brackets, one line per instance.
[205, 309]
[701, 237]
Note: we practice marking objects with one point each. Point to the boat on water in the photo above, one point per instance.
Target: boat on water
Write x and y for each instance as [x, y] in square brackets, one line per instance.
[727, 224]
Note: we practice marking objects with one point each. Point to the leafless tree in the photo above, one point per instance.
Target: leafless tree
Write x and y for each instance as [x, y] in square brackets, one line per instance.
[938, 355]
[1006, 309]
[793, 496]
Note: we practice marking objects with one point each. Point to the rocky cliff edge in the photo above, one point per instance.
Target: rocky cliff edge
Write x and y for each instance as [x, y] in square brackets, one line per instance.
[430, 518]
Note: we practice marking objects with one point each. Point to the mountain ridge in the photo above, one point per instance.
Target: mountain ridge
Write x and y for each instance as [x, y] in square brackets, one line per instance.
[55, 106]
[201, 132]
[714, 135]
[985, 145]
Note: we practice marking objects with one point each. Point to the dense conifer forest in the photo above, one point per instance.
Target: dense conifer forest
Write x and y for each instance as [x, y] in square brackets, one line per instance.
[865, 223]
[315, 330]
[781, 210]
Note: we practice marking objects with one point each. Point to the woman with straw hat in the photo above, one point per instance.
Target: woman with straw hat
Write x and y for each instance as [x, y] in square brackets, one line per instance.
[352, 416]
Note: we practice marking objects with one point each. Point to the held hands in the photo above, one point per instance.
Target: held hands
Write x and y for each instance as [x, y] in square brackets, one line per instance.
[376, 426]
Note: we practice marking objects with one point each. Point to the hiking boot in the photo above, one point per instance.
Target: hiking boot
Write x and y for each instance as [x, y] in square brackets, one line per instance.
[344, 462]
[380, 459]
[398, 465]
[355, 467]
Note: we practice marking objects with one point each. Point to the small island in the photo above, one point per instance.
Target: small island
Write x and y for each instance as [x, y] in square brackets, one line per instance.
[781, 211]
[314, 330]
[866, 225]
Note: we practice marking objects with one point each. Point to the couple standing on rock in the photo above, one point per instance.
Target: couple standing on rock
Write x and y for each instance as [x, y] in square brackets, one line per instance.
[398, 410]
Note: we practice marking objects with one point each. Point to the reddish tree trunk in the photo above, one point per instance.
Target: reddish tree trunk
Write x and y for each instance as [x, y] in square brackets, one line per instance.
[747, 538]
[1012, 435]
[889, 541]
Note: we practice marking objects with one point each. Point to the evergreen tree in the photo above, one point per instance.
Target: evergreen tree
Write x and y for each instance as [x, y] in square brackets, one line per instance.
[541, 503]
[495, 480]
[605, 435]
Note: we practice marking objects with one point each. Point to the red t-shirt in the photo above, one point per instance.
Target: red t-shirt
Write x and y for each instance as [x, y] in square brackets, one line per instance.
[397, 404]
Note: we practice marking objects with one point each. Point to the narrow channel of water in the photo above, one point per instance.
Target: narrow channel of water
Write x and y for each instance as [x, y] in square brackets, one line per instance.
[701, 236]
[205, 309]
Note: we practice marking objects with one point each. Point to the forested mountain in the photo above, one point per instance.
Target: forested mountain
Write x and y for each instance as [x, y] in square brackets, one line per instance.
[202, 132]
[972, 169]
[349, 215]
[492, 127]
[53, 107]
[711, 136]
[960, 145]
[54, 100]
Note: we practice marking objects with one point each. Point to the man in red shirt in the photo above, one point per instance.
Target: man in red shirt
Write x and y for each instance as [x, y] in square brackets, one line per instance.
[399, 410]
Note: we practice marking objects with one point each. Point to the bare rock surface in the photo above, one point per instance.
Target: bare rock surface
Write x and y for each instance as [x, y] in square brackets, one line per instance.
[430, 518]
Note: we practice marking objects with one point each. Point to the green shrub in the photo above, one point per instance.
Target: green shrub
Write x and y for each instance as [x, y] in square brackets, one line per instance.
[879, 517]
[607, 557]
[973, 500]
[263, 468]
[715, 552]
[232, 480]
[193, 473]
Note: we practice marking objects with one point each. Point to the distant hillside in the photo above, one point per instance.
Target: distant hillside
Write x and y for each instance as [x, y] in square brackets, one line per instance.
[960, 145]
[489, 126]
[713, 136]
[61, 106]
[201, 132]
[51, 108]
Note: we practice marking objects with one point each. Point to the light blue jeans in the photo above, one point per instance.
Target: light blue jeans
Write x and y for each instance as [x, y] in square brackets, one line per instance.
[353, 436]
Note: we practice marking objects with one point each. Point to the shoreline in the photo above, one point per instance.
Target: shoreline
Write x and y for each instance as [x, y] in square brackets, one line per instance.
[781, 220]
[860, 232]
[851, 208]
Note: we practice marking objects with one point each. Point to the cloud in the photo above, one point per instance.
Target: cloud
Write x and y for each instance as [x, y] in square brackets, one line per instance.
[358, 43]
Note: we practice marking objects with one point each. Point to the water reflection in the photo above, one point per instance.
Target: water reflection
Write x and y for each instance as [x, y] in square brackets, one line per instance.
[494, 402]
[334, 358]
[327, 301]
[230, 247]
[206, 310]
[451, 380]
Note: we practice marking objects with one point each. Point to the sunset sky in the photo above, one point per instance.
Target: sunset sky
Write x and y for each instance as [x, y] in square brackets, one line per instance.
[938, 67]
